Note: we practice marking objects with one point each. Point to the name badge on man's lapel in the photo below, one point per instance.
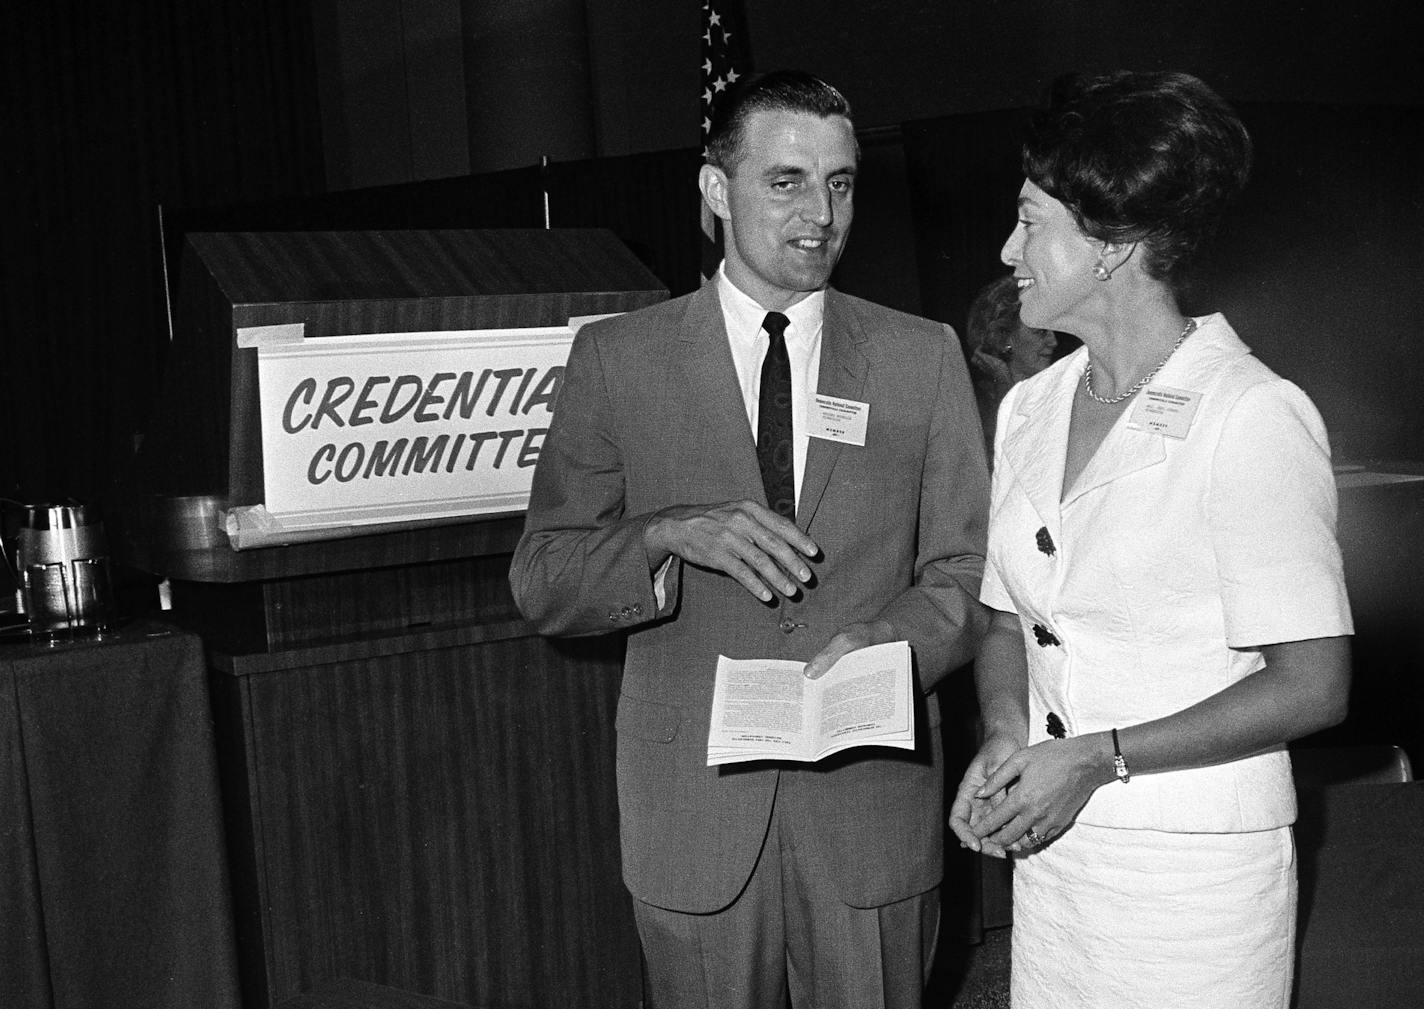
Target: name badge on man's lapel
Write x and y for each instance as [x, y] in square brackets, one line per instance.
[1164, 411]
[836, 419]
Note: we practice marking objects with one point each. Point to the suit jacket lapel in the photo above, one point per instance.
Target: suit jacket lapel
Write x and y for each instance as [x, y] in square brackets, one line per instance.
[1036, 445]
[844, 361]
[706, 361]
[1122, 452]
[1037, 448]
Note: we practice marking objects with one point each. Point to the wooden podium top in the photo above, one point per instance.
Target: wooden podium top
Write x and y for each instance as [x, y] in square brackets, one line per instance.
[290, 272]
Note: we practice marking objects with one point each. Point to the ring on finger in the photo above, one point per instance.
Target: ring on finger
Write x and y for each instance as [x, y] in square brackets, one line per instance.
[1035, 838]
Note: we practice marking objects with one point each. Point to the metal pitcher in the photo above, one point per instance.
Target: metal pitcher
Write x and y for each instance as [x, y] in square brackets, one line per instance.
[61, 567]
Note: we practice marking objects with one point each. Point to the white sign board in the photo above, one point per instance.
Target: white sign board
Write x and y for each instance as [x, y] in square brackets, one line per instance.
[358, 430]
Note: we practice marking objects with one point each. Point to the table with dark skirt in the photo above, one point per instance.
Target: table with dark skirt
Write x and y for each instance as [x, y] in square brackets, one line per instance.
[113, 874]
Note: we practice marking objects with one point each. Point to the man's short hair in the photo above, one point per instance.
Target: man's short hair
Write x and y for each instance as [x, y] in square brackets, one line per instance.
[779, 91]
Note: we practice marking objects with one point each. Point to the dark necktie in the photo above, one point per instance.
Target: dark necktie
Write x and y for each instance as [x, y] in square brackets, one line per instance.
[775, 452]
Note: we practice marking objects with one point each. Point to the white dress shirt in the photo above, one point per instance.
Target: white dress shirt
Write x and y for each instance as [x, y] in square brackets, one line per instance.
[748, 343]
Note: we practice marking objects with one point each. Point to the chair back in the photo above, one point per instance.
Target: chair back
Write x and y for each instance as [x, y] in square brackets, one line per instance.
[1323, 766]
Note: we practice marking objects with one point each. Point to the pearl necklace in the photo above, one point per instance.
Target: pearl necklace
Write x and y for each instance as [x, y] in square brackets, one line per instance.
[1110, 400]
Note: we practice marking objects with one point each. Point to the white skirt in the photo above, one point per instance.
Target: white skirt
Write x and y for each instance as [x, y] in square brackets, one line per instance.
[1106, 917]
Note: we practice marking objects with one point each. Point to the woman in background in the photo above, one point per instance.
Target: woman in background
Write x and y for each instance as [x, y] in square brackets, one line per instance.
[1002, 349]
[1170, 606]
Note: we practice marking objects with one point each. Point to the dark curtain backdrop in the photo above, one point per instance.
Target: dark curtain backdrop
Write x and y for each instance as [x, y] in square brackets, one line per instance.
[111, 108]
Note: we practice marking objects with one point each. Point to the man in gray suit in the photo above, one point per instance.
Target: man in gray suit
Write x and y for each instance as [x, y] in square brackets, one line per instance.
[688, 494]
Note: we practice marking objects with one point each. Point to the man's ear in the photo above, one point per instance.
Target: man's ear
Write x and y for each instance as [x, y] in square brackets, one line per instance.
[713, 183]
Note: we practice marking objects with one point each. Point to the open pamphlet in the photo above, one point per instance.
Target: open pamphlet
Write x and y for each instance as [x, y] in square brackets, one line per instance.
[766, 709]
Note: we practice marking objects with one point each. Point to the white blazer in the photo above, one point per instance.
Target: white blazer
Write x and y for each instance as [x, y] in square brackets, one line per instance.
[1154, 581]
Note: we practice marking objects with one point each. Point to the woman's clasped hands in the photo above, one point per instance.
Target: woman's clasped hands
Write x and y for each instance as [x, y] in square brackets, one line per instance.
[1015, 798]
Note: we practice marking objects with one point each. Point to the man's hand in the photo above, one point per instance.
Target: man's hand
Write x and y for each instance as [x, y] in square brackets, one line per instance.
[757, 547]
[851, 637]
[970, 808]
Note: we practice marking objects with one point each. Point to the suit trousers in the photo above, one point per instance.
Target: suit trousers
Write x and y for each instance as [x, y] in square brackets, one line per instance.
[789, 931]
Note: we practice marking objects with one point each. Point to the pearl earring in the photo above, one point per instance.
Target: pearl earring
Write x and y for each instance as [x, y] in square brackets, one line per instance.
[1100, 272]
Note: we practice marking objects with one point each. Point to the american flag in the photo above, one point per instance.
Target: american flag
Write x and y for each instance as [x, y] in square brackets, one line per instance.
[726, 59]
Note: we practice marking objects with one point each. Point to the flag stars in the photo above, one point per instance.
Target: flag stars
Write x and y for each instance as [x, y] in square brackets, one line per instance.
[721, 42]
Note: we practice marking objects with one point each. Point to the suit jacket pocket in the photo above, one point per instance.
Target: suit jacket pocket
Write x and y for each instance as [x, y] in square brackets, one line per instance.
[657, 723]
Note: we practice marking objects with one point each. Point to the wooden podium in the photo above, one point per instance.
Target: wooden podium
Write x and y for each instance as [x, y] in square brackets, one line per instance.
[419, 791]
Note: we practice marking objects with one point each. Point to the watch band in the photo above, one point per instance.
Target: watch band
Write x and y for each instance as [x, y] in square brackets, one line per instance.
[1119, 762]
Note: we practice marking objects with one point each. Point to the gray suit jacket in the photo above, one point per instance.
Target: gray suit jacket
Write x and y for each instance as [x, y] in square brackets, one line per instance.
[649, 416]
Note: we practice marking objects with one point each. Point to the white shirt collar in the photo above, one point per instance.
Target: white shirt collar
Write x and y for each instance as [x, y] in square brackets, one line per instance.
[744, 315]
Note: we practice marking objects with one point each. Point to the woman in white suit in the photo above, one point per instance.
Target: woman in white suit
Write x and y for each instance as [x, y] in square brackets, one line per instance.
[1169, 601]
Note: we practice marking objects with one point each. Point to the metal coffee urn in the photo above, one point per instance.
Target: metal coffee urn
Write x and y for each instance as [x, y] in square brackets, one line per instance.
[62, 567]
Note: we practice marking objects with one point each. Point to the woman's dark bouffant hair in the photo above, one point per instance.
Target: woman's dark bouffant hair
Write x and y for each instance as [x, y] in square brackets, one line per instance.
[1153, 158]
